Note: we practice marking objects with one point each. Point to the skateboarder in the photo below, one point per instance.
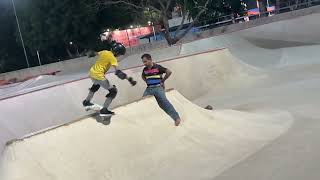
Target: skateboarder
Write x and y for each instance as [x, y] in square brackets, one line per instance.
[106, 59]
[152, 75]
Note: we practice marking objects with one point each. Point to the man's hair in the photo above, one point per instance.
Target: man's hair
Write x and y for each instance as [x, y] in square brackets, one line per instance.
[148, 56]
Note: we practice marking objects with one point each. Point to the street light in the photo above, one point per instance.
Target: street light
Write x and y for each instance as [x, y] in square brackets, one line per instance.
[24, 49]
[39, 57]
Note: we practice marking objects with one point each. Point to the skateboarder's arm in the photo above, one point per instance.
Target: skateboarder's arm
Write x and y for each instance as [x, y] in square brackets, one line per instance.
[123, 75]
[119, 73]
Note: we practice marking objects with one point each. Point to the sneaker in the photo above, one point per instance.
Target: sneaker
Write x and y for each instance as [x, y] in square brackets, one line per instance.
[106, 112]
[86, 103]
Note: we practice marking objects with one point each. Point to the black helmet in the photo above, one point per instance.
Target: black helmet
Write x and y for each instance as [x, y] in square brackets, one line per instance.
[118, 49]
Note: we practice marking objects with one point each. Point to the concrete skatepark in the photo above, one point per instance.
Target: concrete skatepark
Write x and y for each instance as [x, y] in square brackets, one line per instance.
[263, 83]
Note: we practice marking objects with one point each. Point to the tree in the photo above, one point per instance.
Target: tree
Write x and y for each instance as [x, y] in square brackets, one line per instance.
[163, 8]
[217, 9]
[63, 29]
[50, 26]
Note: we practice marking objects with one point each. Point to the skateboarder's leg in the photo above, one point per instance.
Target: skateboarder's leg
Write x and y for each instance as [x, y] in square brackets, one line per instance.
[109, 97]
[113, 91]
[92, 90]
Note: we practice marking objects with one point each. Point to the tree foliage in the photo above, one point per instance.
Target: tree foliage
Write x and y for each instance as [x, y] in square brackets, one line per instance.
[62, 29]
[216, 9]
[11, 53]
[163, 9]
[58, 29]
[65, 27]
[159, 11]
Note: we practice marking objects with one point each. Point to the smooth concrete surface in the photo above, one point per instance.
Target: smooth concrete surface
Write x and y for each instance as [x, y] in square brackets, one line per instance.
[62, 104]
[141, 142]
[264, 123]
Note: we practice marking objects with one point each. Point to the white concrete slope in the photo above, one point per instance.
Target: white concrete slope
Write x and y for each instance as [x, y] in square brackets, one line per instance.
[265, 123]
[264, 46]
[193, 76]
[141, 142]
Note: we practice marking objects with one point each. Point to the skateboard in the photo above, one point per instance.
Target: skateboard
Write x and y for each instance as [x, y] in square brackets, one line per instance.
[96, 108]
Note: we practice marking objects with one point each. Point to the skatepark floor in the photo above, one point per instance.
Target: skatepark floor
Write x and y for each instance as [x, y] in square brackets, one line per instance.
[264, 123]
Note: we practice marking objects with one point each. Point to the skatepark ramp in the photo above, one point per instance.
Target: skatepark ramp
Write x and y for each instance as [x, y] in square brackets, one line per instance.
[264, 89]
[141, 142]
[193, 76]
[140, 137]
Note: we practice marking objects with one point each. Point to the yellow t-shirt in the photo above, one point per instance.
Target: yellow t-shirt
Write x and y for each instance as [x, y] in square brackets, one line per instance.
[102, 65]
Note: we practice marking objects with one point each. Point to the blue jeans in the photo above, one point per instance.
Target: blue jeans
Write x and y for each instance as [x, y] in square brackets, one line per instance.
[159, 93]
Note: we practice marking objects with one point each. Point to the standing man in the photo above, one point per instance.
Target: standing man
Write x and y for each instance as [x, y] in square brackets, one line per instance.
[152, 75]
[105, 60]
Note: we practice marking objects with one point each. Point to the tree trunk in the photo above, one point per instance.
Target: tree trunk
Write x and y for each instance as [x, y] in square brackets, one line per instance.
[69, 53]
[170, 40]
[78, 54]
[166, 32]
[173, 40]
[179, 36]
